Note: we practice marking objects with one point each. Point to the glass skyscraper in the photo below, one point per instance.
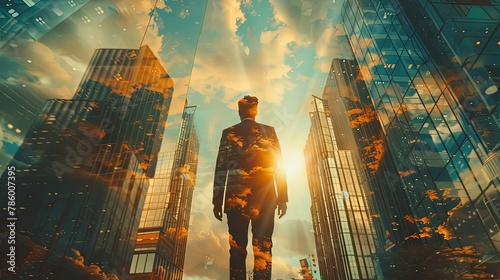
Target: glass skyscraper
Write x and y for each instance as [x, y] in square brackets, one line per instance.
[161, 242]
[342, 224]
[432, 71]
[84, 167]
[136, 83]
[362, 133]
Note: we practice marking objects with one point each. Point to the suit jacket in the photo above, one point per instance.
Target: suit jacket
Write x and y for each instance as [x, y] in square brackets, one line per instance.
[247, 167]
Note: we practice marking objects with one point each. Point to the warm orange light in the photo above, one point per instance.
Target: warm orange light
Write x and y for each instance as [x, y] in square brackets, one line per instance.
[293, 163]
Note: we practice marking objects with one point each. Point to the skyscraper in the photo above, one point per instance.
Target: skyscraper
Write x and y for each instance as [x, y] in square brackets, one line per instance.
[162, 238]
[138, 85]
[83, 168]
[360, 131]
[432, 70]
[342, 224]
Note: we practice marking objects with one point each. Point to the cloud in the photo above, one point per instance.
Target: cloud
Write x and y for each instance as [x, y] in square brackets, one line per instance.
[93, 272]
[264, 72]
[10, 136]
[231, 13]
[238, 65]
[282, 269]
[331, 44]
[293, 237]
[41, 71]
[213, 260]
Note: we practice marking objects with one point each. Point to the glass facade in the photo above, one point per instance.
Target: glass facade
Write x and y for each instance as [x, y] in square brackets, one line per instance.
[343, 228]
[138, 85]
[161, 242]
[431, 69]
[83, 168]
[65, 207]
[33, 18]
[357, 129]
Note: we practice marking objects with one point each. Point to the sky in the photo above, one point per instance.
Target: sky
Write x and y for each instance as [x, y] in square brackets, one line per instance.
[279, 51]
[216, 51]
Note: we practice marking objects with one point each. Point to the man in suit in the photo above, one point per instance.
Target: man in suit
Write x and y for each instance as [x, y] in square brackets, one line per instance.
[248, 164]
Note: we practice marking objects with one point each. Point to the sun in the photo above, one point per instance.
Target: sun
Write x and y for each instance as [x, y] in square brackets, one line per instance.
[294, 166]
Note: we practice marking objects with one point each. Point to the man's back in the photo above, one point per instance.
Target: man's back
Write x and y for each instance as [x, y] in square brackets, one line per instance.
[250, 153]
[246, 168]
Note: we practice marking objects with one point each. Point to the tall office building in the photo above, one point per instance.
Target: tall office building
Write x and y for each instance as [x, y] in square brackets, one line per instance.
[432, 72]
[361, 132]
[138, 85]
[84, 165]
[340, 211]
[161, 242]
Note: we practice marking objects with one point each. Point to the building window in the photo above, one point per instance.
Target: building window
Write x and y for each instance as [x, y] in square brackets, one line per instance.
[99, 10]
[142, 263]
[13, 13]
[131, 54]
[86, 19]
[117, 77]
[40, 20]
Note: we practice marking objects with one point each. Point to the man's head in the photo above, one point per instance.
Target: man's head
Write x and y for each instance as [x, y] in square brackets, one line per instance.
[247, 107]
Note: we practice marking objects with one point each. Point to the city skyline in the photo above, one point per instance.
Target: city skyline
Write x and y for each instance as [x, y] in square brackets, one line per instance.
[293, 59]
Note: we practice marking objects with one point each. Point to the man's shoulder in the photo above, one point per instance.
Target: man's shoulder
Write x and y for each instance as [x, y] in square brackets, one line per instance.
[242, 125]
[229, 128]
[265, 126]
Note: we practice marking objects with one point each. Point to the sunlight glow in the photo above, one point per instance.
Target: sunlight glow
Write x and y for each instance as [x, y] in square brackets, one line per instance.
[293, 163]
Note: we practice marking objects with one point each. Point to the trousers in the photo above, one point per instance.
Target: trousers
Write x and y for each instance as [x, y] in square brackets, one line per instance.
[262, 231]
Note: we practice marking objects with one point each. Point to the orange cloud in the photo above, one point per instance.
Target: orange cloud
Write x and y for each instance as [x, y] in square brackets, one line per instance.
[467, 251]
[412, 236]
[373, 153]
[365, 116]
[236, 139]
[425, 232]
[232, 243]
[37, 254]
[236, 201]
[354, 111]
[261, 257]
[406, 173]
[254, 170]
[432, 195]
[445, 231]
[410, 219]
[423, 220]
[254, 212]
[181, 233]
[92, 269]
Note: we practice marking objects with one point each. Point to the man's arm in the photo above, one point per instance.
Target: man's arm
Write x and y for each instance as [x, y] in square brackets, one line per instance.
[220, 176]
[279, 176]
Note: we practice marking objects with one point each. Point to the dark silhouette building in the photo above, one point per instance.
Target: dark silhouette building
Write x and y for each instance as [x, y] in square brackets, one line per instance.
[84, 165]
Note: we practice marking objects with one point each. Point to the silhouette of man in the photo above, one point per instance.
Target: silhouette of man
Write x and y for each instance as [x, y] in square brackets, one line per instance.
[246, 170]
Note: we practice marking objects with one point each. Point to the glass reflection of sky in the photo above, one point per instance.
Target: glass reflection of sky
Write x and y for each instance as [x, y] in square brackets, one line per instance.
[439, 146]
